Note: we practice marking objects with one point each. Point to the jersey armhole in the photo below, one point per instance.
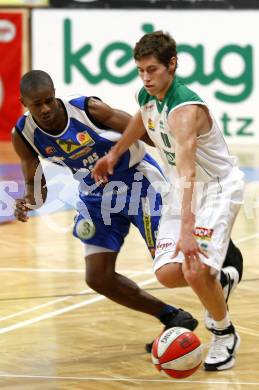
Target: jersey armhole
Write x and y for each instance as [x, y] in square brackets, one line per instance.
[138, 93]
[92, 119]
[27, 143]
[189, 103]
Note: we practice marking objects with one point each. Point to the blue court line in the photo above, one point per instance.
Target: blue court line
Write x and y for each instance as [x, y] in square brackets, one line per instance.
[251, 174]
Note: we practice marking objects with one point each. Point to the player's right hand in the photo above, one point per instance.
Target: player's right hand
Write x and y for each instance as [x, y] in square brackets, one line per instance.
[21, 209]
[104, 167]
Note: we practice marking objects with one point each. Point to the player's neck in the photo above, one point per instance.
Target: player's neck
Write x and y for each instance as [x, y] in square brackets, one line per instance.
[59, 122]
[161, 95]
[61, 119]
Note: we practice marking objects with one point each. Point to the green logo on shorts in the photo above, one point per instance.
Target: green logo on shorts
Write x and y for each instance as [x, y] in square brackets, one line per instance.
[85, 229]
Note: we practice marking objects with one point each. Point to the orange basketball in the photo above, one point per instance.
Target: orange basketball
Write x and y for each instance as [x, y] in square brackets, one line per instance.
[177, 352]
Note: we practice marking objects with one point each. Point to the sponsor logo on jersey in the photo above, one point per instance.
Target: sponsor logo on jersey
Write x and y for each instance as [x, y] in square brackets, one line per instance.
[84, 138]
[170, 157]
[150, 124]
[57, 158]
[81, 153]
[161, 125]
[50, 150]
[165, 245]
[69, 146]
[203, 233]
[149, 107]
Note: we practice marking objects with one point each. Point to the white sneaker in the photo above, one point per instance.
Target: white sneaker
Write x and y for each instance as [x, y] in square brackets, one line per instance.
[223, 347]
[233, 279]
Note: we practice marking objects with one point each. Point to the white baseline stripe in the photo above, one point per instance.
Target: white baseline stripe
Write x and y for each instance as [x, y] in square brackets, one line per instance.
[59, 270]
[125, 379]
[71, 270]
[255, 235]
[55, 313]
[68, 270]
[72, 307]
[248, 331]
[19, 313]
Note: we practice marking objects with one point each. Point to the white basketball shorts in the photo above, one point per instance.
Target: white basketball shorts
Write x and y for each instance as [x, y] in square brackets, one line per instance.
[216, 206]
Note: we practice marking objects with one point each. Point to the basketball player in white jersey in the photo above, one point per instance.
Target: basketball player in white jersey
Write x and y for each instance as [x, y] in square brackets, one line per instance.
[206, 188]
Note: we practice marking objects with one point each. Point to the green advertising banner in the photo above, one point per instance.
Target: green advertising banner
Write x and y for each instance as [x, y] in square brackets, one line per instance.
[84, 53]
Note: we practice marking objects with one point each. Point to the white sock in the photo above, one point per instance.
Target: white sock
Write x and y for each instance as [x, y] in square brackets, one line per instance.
[224, 323]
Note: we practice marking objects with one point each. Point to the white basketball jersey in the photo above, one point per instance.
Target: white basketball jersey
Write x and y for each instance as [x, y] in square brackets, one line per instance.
[212, 156]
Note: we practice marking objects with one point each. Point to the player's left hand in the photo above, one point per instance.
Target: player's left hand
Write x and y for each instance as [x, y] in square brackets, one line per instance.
[188, 245]
[104, 167]
[21, 208]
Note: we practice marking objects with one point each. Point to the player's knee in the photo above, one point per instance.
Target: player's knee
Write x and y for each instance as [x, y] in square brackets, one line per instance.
[192, 278]
[170, 275]
[196, 278]
[99, 272]
[96, 281]
[90, 280]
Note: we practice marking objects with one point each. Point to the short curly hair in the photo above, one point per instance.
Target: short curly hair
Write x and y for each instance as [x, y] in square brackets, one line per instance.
[33, 80]
[158, 44]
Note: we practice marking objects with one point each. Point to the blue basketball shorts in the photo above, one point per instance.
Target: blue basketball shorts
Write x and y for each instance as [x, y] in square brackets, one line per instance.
[104, 218]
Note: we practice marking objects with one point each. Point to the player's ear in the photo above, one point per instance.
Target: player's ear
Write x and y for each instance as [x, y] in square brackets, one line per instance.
[172, 64]
[22, 101]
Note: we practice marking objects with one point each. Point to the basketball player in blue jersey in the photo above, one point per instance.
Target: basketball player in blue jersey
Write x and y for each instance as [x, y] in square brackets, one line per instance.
[206, 189]
[77, 132]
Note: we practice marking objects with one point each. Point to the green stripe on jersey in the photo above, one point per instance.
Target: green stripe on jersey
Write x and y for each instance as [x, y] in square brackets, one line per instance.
[177, 94]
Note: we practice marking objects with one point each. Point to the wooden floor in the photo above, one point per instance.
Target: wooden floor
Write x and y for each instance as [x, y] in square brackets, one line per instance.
[58, 334]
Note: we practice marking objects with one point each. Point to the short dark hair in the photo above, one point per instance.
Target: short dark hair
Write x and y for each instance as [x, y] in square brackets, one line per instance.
[158, 44]
[35, 79]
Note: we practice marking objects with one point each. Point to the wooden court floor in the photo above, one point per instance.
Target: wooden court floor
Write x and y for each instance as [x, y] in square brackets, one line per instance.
[56, 333]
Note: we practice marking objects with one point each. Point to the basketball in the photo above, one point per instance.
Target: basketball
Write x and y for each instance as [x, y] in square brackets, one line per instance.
[177, 352]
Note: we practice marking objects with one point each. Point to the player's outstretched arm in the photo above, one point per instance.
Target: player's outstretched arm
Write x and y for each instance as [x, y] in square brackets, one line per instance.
[133, 132]
[184, 126]
[35, 183]
[112, 117]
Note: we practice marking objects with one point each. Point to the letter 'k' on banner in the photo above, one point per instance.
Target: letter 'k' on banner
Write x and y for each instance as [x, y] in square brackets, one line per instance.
[10, 70]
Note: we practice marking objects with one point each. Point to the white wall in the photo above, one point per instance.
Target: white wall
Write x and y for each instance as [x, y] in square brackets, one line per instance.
[218, 53]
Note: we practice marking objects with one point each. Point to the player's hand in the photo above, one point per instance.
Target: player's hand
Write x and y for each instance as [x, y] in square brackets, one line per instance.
[104, 167]
[188, 245]
[21, 209]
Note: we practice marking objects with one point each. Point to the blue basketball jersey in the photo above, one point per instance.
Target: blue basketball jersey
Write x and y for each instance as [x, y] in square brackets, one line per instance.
[80, 144]
[78, 147]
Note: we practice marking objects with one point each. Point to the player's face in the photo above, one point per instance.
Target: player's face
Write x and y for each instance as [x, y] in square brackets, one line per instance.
[156, 76]
[43, 106]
